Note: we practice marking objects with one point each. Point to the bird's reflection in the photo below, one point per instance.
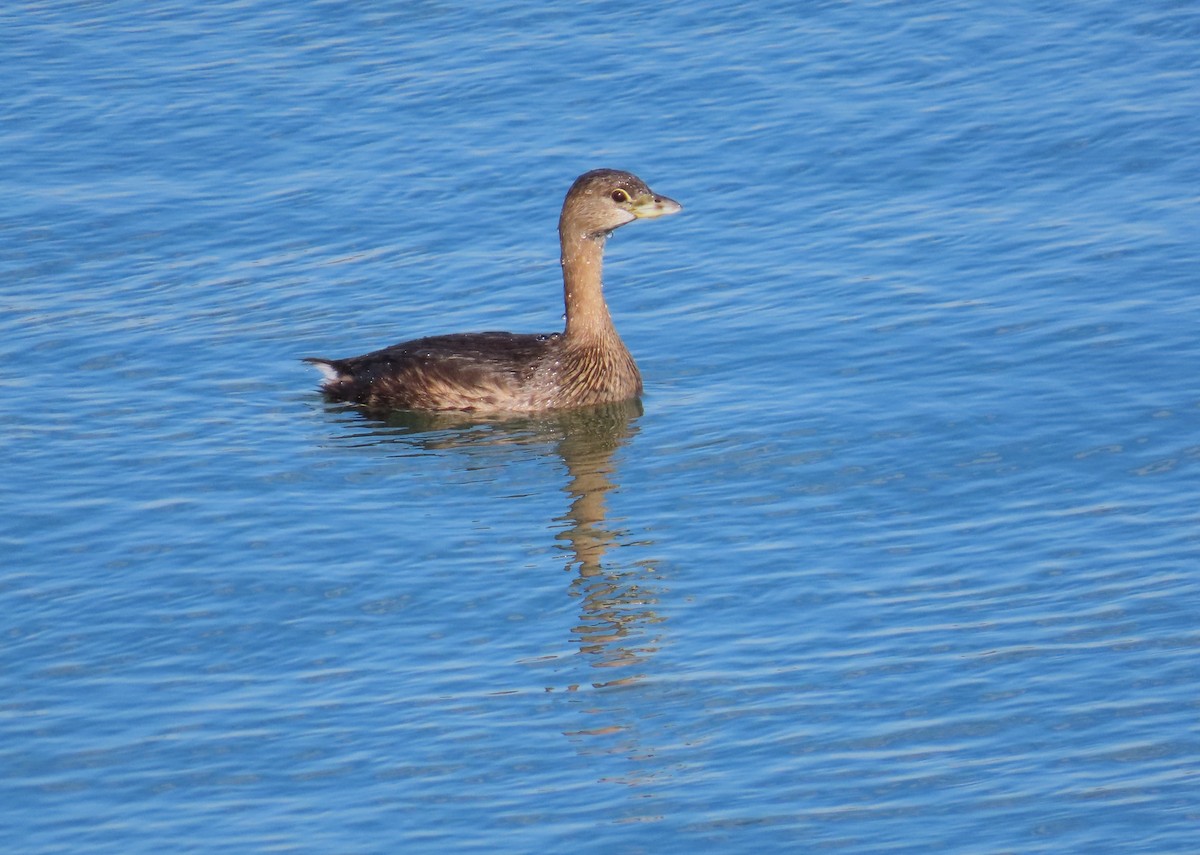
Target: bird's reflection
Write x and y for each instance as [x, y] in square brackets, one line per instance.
[617, 602]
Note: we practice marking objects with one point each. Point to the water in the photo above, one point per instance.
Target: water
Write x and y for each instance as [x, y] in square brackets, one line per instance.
[900, 554]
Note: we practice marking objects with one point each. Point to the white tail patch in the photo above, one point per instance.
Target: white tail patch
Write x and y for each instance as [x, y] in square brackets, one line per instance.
[329, 374]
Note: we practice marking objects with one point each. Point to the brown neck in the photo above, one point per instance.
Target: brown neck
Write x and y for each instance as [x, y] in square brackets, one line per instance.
[583, 290]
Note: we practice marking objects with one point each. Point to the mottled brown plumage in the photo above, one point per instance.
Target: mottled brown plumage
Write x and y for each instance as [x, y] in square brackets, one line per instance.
[585, 364]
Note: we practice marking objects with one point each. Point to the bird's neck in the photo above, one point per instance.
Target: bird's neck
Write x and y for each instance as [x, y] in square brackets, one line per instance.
[583, 289]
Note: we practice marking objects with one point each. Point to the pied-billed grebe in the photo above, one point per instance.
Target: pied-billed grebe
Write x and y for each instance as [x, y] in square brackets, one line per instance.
[585, 364]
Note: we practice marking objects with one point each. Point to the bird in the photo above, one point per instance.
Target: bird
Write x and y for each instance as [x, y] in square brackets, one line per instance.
[501, 372]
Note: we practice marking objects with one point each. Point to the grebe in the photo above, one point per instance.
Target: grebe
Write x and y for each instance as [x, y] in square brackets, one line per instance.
[585, 364]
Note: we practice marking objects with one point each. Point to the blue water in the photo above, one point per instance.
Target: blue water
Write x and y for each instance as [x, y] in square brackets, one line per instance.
[901, 552]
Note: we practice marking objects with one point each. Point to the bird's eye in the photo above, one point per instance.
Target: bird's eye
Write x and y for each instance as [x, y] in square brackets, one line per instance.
[619, 195]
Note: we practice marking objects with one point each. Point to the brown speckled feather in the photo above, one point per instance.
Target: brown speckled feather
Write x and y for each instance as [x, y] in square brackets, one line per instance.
[465, 371]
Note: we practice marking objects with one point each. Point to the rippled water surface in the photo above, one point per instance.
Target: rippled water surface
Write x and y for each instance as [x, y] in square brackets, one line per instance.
[900, 552]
